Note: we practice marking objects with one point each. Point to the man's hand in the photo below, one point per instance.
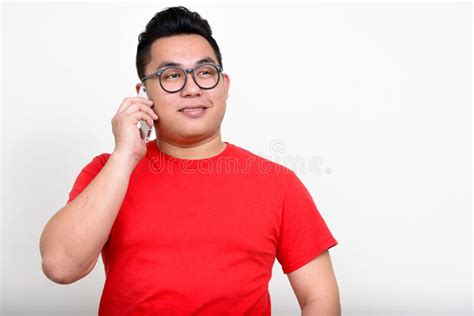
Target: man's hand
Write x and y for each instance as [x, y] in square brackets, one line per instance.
[128, 142]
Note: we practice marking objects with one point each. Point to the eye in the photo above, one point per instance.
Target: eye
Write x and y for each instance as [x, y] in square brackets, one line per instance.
[172, 76]
[206, 72]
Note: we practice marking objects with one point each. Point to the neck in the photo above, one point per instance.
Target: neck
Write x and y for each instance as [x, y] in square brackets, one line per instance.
[200, 150]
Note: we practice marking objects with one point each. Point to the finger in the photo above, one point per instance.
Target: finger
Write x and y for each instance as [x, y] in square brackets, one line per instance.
[128, 101]
[135, 107]
[140, 116]
[150, 111]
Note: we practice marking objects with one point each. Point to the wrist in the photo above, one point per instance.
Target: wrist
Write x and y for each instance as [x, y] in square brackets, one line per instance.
[125, 160]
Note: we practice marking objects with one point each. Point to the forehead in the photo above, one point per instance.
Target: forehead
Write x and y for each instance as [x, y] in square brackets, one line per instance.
[186, 50]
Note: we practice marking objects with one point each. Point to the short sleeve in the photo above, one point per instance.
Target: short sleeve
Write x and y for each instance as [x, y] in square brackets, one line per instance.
[87, 174]
[303, 232]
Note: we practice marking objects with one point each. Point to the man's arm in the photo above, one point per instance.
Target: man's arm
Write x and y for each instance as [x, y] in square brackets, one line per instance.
[315, 287]
[73, 238]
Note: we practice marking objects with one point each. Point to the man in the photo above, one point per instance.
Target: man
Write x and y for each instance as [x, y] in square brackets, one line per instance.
[188, 224]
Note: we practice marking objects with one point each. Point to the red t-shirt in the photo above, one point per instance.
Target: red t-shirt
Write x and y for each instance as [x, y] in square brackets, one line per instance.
[199, 237]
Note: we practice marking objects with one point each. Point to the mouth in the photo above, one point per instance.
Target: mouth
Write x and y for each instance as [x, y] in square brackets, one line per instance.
[194, 111]
[192, 108]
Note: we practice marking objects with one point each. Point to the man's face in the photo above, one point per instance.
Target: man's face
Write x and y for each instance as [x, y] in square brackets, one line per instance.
[175, 126]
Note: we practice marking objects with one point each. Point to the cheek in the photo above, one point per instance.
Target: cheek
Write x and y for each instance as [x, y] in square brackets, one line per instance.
[219, 98]
[162, 106]
[218, 111]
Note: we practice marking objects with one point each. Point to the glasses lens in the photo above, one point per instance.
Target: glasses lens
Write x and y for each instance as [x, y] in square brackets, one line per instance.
[172, 79]
[206, 76]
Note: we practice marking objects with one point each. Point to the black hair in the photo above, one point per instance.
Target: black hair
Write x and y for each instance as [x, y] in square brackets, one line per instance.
[168, 22]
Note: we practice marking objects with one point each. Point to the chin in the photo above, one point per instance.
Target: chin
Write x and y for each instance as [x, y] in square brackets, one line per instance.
[194, 136]
[188, 133]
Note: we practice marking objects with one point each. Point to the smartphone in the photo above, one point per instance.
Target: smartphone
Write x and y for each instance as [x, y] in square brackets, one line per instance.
[145, 130]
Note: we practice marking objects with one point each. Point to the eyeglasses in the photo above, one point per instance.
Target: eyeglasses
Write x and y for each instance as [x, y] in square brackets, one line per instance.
[173, 78]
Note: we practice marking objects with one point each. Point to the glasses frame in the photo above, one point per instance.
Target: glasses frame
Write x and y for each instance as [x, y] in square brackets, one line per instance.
[186, 71]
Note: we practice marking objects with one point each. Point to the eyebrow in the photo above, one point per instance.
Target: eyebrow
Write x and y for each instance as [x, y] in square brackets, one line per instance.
[167, 63]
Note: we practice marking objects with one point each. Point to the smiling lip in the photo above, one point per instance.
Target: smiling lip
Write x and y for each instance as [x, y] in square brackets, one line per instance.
[193, 107]
[194, 112]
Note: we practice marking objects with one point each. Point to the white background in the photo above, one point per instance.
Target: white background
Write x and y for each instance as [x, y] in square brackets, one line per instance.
[377, 96]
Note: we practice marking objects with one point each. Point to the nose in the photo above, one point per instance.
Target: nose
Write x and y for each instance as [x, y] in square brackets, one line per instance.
[190, 88]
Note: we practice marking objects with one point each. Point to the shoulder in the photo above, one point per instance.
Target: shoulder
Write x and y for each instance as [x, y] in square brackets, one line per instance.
[275, 174]
[258, 163]
[96, 163]
[100, 160]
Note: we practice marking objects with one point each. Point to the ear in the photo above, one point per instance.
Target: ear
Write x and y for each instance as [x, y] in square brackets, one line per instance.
[138, 86]
[226, 84]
